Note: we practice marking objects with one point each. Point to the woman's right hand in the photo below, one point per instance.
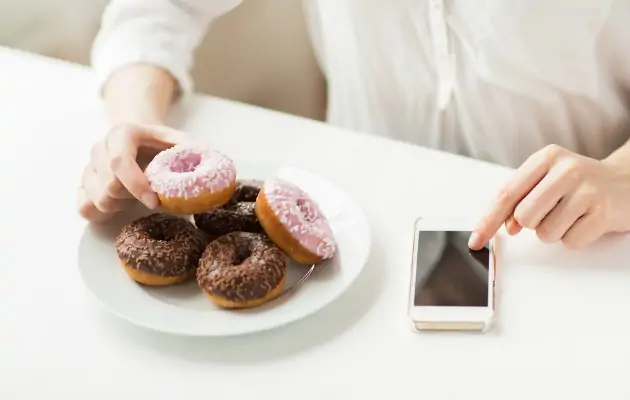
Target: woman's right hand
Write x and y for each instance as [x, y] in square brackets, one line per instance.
[114, 178]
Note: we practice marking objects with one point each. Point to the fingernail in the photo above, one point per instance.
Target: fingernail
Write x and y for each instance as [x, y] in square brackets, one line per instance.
[474, 242]
[150, 200]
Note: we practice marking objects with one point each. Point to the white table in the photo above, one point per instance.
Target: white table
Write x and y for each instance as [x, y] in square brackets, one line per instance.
[564, 324]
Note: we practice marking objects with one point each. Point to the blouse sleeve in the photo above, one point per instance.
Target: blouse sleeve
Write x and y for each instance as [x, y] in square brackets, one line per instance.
[162, 33]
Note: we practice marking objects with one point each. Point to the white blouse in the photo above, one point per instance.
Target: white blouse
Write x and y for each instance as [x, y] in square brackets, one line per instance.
[491, 79]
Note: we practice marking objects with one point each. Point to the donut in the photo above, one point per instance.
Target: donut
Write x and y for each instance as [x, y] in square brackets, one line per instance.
[242, 270]
[191, 179]
[294, 222]
[160, 249]
[238, 214]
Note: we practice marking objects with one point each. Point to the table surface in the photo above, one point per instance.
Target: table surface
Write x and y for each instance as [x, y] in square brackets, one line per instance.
[563, 327]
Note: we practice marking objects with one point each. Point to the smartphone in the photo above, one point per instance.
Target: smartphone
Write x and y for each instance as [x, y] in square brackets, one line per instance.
[452, 287]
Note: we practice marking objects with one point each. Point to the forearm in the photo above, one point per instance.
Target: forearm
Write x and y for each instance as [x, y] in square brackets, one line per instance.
[140, 94]
[144, 51]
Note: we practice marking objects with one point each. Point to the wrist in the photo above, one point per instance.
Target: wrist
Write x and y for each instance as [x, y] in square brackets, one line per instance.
[619, 160]
[139, 94]
[618, 166]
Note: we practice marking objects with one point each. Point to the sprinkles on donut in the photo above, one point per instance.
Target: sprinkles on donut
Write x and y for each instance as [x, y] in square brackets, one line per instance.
[242, 270]
[238, 214]
[294, 221]
[192, 178]
[160, 249]
[243, 236]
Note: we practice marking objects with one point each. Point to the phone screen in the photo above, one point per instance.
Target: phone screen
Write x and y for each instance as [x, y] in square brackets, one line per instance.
[448, 273]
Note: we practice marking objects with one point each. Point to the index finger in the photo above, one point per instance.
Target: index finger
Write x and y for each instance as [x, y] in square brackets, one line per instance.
[525, 179]
[122, 150]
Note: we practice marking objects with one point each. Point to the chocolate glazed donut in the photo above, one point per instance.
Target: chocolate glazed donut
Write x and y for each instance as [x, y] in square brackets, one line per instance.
[242, 270]
[160, 249]
[239, 214]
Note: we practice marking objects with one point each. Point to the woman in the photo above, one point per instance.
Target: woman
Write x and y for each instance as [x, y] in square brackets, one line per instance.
[539, 84]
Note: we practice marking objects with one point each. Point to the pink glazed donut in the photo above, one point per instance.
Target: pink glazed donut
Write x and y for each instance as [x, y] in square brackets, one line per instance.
[192, 179]
[294, 222]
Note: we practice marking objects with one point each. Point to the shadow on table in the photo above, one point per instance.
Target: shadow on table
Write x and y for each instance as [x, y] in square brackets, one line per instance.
[297, 337]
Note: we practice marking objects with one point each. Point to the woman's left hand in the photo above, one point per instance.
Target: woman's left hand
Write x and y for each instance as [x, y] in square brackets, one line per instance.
[563, 196]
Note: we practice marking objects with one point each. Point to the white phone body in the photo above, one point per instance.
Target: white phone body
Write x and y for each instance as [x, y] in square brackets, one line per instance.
[447, 317]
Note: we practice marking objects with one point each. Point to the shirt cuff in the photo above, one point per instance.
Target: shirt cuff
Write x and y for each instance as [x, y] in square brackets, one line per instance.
[114, 52]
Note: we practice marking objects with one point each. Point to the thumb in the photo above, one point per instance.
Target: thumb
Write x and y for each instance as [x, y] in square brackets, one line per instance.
[161, 137]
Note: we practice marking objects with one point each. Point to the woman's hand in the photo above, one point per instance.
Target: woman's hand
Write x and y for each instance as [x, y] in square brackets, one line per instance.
[114, 177]
[564, 197]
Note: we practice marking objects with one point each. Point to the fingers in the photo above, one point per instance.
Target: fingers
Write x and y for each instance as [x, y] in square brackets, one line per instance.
[94, 203]
[584, 231]
[86, 208]
[122, 149]
[106, 178]
[101, 194]
[96, 192]
[556, 224]
[113, 179]
[526, 178]
[512, 227]
[113, 187]
[542, 198]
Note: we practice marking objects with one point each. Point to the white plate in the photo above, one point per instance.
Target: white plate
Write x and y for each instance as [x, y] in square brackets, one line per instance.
[184, 310]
